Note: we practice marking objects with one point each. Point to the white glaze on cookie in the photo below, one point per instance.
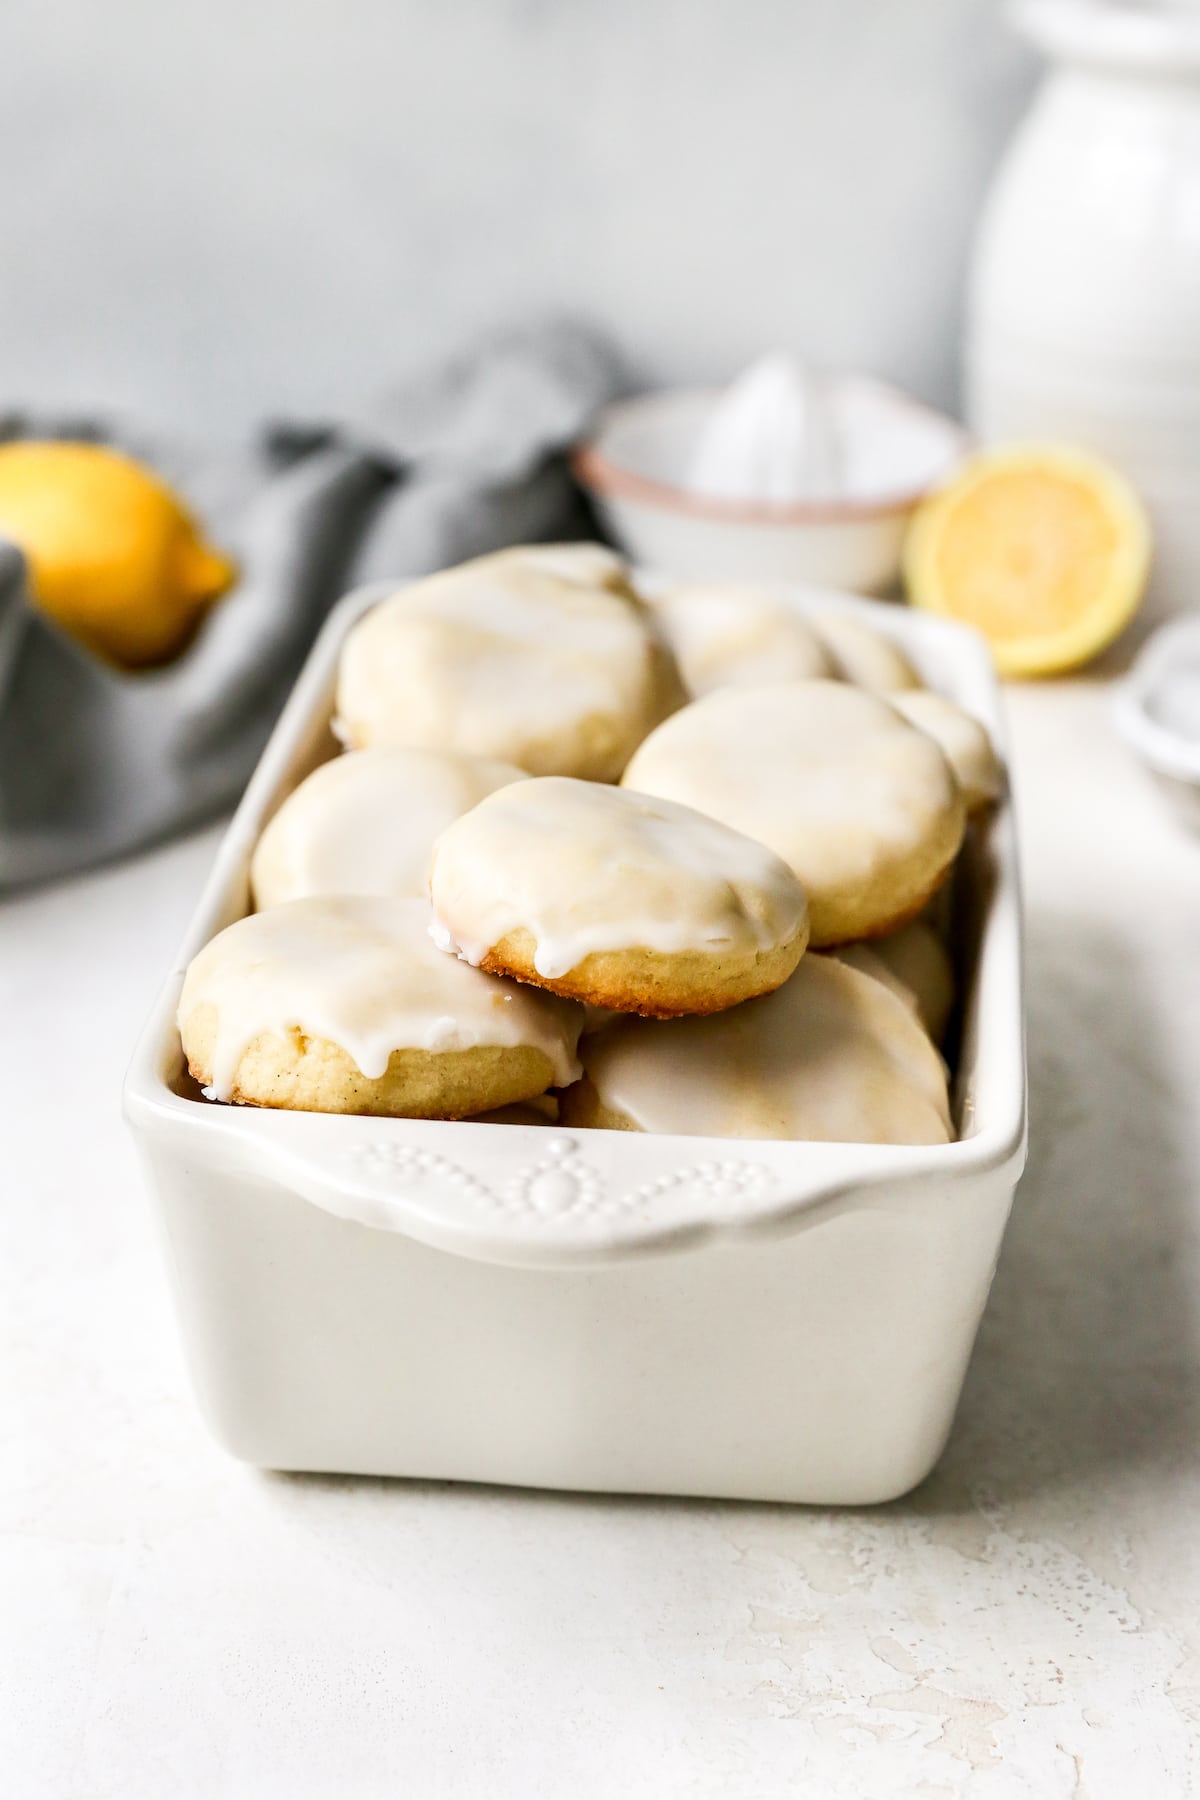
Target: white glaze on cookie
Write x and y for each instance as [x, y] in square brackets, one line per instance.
[918, 959]
[366, 822]
[962, 739]
[503, 660]
[867, 960]
[860, 804]
[589, 564]
[585, 868]
[831, 1056]
[364, 974]
[730, 634]
[867, 658]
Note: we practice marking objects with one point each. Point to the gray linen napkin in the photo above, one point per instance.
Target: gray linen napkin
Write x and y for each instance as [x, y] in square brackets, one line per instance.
[95, 763]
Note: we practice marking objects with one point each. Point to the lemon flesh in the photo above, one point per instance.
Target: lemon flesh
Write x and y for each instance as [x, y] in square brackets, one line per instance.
[114, 556]
[1045, 551]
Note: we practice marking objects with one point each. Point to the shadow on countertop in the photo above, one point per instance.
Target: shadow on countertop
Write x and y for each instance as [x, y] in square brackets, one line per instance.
[1088, 1359]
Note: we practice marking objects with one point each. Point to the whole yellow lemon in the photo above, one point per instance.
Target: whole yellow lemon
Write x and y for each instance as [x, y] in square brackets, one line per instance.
[114, 556]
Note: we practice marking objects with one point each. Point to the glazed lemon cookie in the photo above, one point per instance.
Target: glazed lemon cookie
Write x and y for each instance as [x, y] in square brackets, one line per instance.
[589, 564]
[917, 959]
[616, 899]
[503, 660]
[343, 1004]
[867, 960]
[963, 742]
[858, 802]
[916, 965]
[728, 634]
[365, 823]
[863, 656]
[832, 1056]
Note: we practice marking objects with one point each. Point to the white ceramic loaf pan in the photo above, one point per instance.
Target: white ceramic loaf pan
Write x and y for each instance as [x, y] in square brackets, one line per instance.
[574, 1309]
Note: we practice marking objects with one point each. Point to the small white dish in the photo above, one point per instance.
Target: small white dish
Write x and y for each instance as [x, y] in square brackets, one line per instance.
[1158, 713]
[635, 464]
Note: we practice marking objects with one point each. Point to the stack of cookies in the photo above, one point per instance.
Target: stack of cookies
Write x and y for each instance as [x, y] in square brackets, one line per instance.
[662, 865]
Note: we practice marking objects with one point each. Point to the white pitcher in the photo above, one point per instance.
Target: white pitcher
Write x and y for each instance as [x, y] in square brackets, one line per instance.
[1084, 299]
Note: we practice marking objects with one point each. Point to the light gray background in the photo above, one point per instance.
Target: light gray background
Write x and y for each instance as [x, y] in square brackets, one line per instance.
[213, 210]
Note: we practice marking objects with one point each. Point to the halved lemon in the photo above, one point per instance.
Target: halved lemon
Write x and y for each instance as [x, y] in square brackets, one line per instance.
[1044, 550]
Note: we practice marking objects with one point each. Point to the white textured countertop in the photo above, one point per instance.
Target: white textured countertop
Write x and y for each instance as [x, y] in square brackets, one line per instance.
[172, 1624]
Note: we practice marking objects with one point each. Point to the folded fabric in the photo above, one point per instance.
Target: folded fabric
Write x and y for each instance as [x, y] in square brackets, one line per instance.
[95, 763]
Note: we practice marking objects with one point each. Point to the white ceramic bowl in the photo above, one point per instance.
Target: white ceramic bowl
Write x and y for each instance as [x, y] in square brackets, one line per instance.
[600, 1310]
[634, 464]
